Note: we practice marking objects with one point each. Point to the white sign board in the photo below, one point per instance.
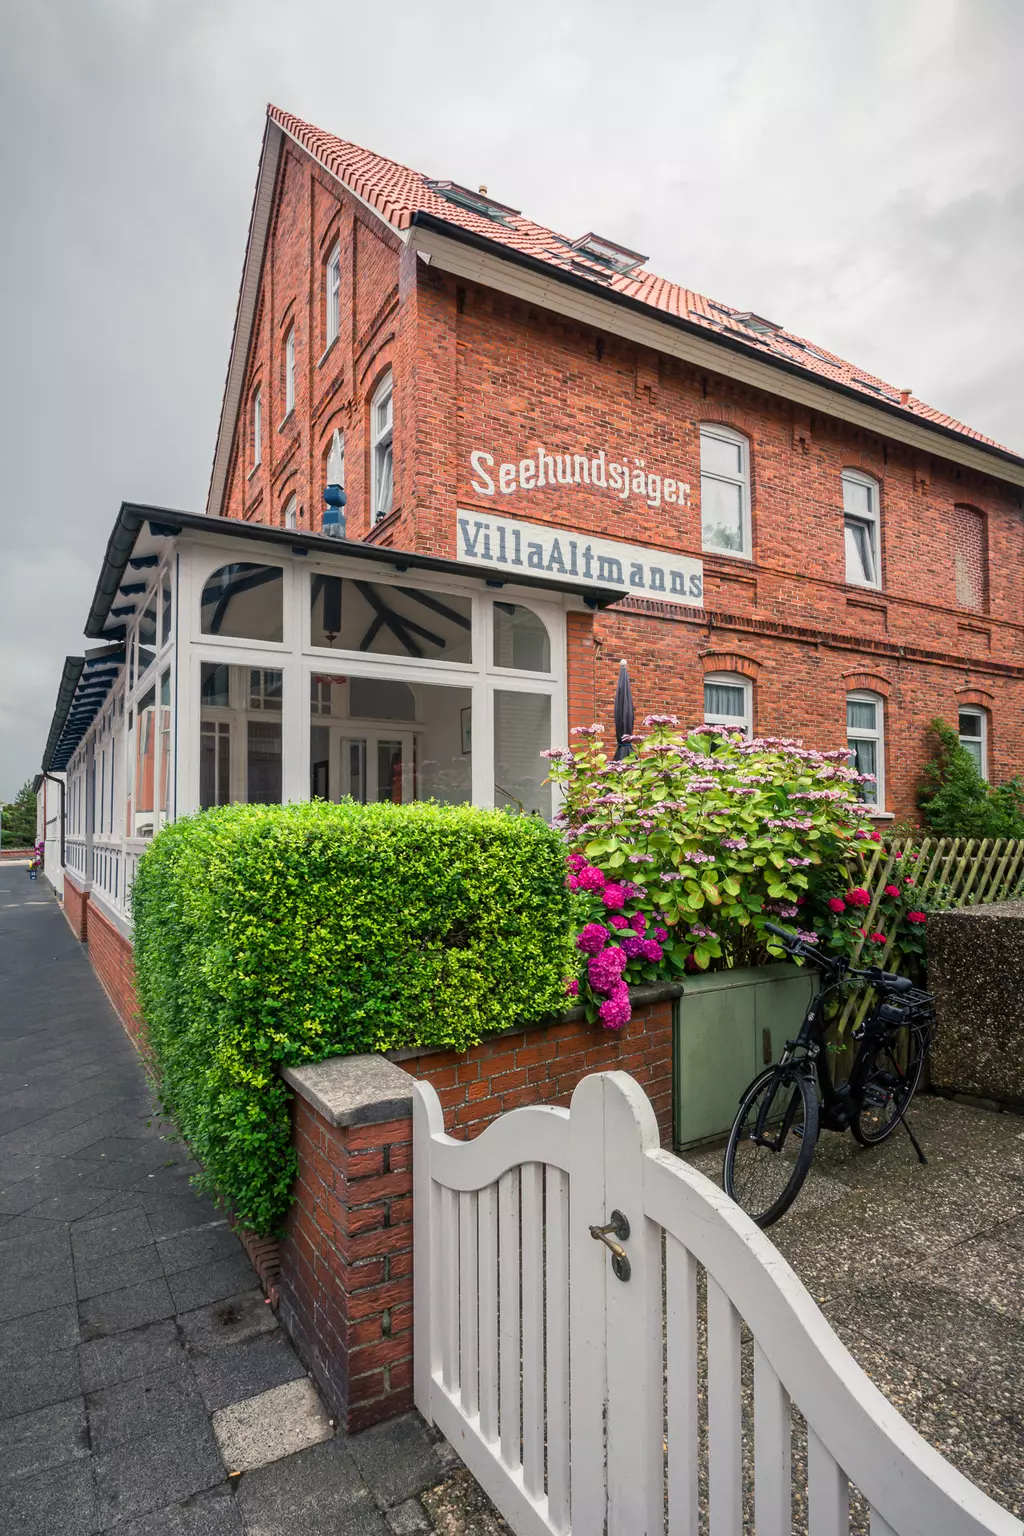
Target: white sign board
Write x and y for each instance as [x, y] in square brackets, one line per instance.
[508, 546]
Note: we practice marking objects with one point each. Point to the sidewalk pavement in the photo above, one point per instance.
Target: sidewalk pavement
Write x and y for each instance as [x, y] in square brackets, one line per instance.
[145, 1386]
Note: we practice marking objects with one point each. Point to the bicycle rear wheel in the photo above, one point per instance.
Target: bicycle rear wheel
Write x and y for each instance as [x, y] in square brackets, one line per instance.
[891, 1084]
[763, 1173]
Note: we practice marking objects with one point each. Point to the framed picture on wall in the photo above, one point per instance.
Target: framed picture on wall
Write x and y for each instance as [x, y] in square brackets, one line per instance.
[466, 715]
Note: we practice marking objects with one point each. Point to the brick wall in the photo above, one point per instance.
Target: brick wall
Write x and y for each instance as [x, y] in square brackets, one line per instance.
[76, 908]
[543, 1065]
[346, 1264]
[971, 558]
[111, 956]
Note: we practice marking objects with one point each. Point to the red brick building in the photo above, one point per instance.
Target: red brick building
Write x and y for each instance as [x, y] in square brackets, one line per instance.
[462, 359]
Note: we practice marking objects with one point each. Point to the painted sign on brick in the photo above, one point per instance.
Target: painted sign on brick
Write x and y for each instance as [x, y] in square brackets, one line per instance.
[509, 545]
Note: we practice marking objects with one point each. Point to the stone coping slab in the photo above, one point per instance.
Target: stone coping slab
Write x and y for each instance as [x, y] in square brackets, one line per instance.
[354, 1090]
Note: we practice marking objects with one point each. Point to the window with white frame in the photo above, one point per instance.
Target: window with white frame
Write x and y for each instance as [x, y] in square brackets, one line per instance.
[973, 730]
[865, 737]
[332, 297]
[291, 512]
[728, 700]
[257, 428]
[289, 371]
[382, 448]
[860, 522]
[725, 491]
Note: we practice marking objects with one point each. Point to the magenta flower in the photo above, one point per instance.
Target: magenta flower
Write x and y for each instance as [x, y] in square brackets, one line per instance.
[858, 897]
[661, 934]
[618, 921]
[638, 922]
[592, 939]
[632, 946]
[892, 890]
[917, 917]
[616, 1011]
[572, 987]
[590, 878]
[614, 897]
[837, 905]
[651, 950]
[605, 969]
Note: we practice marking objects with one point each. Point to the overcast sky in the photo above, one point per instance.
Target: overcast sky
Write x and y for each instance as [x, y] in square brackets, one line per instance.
[852, 171]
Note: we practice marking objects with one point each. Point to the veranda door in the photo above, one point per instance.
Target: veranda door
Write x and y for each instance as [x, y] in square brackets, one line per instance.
[379, 765]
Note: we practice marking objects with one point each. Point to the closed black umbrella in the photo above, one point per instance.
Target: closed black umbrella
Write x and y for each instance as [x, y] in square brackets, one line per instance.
[623, 713]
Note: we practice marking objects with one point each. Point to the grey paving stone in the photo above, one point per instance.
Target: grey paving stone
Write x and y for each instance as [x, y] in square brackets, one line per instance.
[22, 1228]
[151, 1473]
[228, 1375]
[408, 1518]
[32, 1442]
[62, 1499]
[168, 1217]
[109, 1234]
[138, 1352]
[167, 1402]
[94, 1277]
[211, 1513]
[192, 1288]
[115, 1311]
[232, 1321]
[187, 1250]
[271, 1425]
[397, 1459]
[36, 1292]
[39, 1333]
[69, 1204]
[44, 1247]
[309, 1494]
[36, 1381]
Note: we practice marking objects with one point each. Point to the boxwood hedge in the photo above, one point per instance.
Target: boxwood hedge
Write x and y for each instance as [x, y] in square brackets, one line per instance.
[274, 935]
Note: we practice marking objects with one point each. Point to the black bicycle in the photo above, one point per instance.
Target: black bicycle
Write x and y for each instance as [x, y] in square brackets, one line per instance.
[773, 1137]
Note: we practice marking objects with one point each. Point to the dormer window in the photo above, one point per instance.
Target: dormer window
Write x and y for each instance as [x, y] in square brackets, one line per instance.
[476, 202]
[608, 253]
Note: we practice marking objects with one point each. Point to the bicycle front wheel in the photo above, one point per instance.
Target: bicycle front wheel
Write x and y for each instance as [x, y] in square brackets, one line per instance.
[771, 1144]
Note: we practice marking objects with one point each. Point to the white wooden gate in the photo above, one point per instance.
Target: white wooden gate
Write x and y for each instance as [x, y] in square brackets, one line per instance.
[586, 1402]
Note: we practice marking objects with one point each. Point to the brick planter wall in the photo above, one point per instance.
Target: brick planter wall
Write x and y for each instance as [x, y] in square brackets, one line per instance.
[346, 1257]
[76, 908]
[111, 956]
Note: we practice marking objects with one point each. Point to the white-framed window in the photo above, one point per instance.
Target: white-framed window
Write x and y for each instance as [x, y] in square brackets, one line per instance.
[382, 447]
[860, 523]
[289, 371]
[725, 491]
[972, 725]
[291, 512]
[728, 700]
[865, 737]
[332, 297]
[257, 428]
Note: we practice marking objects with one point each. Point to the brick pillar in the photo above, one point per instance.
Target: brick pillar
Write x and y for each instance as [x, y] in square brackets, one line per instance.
[346, 1259]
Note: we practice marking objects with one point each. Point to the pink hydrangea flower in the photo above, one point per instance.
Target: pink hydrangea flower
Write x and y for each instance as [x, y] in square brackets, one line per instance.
[837, 904]
[858, 897]
[878, 938]
[614, 897]
[638, 922]
[592, 939]
[632, 946]
[618, 921]
[616, 1010]
[590, 878]
[892, 890]
[605, 969]
[651, 950]
[917, 917]
[661, 934]
[572, 987]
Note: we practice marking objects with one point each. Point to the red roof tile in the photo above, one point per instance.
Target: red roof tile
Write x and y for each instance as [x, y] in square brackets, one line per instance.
[397, 193]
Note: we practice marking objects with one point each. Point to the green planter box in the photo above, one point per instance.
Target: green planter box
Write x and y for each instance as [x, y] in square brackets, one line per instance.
[728, 1026]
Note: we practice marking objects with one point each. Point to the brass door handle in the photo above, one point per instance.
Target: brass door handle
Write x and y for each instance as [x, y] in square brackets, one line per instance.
[620, 1226]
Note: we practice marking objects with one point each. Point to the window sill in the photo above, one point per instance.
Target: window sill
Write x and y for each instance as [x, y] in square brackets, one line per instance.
[882, 815]
[727, 554]
[255, 469]
[863, 586]
[325, 354]
[289, 420]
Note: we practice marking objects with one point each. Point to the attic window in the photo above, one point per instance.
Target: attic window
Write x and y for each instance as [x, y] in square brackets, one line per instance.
[757, 323]
[878, 388]
[476, 202]
[619, 257]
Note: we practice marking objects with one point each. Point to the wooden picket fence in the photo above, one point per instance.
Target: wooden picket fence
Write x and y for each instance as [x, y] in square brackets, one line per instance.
[967, 871]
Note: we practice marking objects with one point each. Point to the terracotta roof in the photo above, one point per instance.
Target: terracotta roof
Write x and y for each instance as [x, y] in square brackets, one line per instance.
[398, 193]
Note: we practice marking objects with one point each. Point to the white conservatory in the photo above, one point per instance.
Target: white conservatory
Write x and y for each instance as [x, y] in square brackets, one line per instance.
[246, 663]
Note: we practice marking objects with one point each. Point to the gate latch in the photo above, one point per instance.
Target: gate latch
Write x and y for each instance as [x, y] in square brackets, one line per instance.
[620, 1226]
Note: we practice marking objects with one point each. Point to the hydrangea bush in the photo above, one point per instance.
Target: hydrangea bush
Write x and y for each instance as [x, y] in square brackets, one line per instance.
[686, 848]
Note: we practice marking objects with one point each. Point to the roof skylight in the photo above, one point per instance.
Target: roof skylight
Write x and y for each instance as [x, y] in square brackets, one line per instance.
[608, 253]
[476, 202]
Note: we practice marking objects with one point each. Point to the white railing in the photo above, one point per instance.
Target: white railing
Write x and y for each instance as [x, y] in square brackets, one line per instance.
[518, 1311]
[76, 857]
[107, 874]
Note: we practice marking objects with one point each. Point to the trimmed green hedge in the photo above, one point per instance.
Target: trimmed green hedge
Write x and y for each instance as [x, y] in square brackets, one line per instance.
[273, 935]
